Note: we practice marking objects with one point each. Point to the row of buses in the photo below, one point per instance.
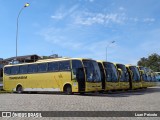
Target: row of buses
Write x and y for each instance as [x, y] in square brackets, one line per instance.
[75, 75]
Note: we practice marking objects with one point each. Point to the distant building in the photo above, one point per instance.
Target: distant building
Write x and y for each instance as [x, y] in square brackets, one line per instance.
[51, 56]
[21, 59]
[18, 59]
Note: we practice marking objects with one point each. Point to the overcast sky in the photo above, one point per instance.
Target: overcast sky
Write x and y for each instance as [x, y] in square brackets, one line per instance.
[82, 28]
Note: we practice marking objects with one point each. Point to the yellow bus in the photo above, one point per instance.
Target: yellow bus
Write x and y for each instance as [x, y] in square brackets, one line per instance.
[123, 76]
[109, 76]
[134, 77]
[67, 75]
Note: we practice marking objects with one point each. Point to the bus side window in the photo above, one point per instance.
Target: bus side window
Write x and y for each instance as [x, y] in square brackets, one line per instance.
[23, 69]
[76, 65]
[7, 70]
[64, 65]
[77, 70]
[42, 67]
[32, 68]
[53, 66]
[14, 70]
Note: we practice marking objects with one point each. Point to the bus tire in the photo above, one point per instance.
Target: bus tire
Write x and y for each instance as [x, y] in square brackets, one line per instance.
[68, 89]
[82, 93]
[19, 89]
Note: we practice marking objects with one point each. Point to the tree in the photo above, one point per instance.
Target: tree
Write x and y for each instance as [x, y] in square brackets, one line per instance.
[152, 62]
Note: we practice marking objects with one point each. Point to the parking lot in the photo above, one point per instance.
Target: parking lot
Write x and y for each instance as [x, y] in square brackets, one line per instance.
[138, 100]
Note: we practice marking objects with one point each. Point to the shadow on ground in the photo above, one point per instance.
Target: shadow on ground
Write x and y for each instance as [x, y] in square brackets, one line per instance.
[108, 94]
[125, 93]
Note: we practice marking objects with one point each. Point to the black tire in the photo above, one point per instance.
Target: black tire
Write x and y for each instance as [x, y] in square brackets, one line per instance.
[19, 89]
[101, 92]
[82, 93]
[68, 90]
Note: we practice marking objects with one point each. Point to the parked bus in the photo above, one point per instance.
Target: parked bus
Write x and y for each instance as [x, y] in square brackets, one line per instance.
[123, 76]
[67, 75]
[109, 76]
[134, 77]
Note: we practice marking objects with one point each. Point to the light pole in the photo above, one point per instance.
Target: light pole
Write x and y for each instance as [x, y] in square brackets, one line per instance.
[26, 5]
[107, 47]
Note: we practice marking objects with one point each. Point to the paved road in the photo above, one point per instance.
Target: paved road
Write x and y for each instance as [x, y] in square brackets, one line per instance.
[139, 100]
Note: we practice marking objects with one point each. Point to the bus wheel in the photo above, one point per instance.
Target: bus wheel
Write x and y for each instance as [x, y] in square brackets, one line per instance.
[68, 89]
[82, 93]
[19, 89]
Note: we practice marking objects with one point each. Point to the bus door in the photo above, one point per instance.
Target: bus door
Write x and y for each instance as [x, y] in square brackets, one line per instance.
[102, 76]
[112, 82]
[78, 75]
[81, 79]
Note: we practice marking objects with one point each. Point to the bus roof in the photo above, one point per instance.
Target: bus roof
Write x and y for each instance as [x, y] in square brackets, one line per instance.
[129, 65]
[102, 61]
[119, 64]
[49, 60]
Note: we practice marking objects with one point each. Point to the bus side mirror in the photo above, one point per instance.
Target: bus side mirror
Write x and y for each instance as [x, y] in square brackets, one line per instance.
[120, 71]
[131, 73]
[141, 72]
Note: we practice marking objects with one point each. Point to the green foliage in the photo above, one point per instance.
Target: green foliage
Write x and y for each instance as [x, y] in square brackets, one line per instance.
[152, 62]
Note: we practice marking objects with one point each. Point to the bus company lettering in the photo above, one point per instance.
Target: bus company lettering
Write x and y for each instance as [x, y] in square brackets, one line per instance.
[18, 77]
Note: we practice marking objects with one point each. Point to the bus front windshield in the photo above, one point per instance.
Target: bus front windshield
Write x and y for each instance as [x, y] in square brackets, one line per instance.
[111, 72]
[125, 75]
[136, 75]
[92, 71]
